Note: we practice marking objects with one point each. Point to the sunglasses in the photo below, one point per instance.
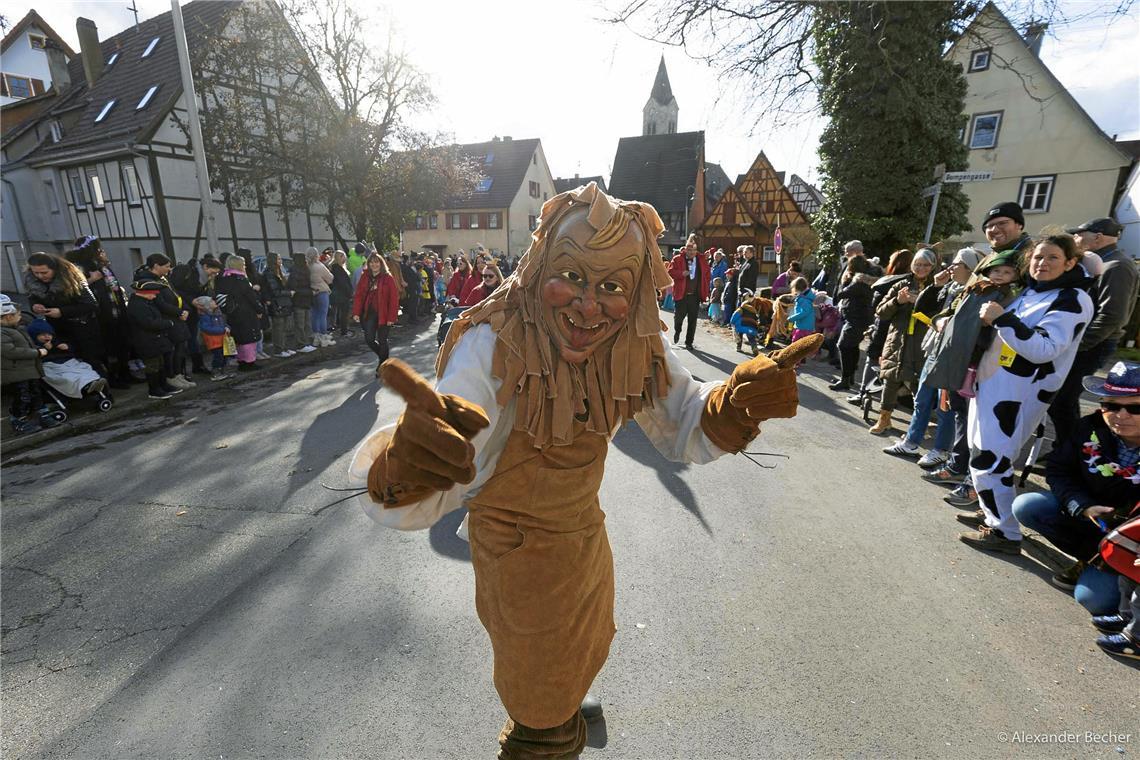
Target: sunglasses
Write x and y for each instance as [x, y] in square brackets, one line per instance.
[489, 277]
[1108, 406]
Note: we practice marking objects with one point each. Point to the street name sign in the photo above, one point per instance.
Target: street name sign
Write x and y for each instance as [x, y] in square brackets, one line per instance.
[967, 176]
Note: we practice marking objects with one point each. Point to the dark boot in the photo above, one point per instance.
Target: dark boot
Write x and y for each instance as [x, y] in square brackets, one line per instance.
[155, 387]
[591, 708]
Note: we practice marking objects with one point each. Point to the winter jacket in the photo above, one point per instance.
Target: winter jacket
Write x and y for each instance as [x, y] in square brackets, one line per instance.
[277, 300]
[150, 330]
[19, 358]
[854, 301]
[461, 286]
[902, 355]
[956, 347]
[803, 314]
[109, 294]
[78, 323]
[1077, 485]
[376, 296]
[298, 282]
[240, 305]
[1114, 296]
[477, 295]
[185, 280]
[781, 284]
[747, 277]
[169, 302]
[718, 269]
[320, 278]
[212, 323]
[679, 269]
[729, 299]
[342, 289]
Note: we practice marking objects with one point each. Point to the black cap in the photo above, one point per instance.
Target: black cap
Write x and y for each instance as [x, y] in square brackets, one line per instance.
[151, 285]
[1008, 209]
[1105, 225]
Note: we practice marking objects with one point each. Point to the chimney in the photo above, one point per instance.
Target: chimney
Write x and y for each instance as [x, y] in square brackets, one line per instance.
[1034, 35]
[89, 49]
[575, 175]
[506, 138]
[57, 67]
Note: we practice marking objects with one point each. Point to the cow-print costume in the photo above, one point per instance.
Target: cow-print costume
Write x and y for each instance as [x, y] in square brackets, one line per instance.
[1044, 327]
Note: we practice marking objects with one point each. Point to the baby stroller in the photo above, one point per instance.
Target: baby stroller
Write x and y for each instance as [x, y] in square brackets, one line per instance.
[56, 402]
[448, 314]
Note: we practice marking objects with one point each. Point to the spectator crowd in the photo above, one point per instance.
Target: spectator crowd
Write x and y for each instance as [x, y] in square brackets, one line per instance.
[988, 346]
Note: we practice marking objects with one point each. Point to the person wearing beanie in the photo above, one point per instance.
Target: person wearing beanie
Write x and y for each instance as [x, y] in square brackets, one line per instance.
[1114, 292]
[1004, 227]
[357, 255]
[901, 358]
[21, 367]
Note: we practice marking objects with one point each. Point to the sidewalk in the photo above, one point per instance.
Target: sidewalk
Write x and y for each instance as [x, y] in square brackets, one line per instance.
[83, 417]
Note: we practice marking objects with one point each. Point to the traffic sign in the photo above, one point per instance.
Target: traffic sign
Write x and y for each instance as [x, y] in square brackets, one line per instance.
[778, 241]
[967, 176]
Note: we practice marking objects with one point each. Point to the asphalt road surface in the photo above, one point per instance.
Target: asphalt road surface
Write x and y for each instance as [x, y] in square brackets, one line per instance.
[175, 586]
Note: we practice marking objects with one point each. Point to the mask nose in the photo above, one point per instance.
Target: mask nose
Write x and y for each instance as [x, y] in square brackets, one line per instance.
[587, 305]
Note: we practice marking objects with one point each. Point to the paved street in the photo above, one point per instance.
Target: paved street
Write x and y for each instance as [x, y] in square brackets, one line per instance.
[175, 586]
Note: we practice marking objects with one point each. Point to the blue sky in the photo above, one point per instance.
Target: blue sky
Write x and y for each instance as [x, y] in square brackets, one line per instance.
[530, 69]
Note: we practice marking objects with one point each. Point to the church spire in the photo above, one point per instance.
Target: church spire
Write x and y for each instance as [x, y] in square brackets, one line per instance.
[662, 92]
[660, 111]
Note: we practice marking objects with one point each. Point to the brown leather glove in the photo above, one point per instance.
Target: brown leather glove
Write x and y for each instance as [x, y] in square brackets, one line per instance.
[759, 389]
[431, 449]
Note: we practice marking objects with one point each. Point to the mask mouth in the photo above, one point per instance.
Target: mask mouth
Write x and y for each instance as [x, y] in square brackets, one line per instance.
[579, 334]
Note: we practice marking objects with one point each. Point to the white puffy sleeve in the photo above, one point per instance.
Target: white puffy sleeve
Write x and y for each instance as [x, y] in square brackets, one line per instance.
[468, 375]
[673, 424]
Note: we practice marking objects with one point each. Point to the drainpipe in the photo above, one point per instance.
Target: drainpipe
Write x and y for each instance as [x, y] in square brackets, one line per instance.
[25, 242]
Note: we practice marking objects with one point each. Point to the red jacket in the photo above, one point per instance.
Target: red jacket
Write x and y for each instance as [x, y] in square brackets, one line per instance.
[477, 294]
[385, 298]
[679, 271]
[461, 286]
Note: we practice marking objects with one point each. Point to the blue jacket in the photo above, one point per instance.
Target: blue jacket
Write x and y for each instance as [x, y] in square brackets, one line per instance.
[212, 324]
[803, 315]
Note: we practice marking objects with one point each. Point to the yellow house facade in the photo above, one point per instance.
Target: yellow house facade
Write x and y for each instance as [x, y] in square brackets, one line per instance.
[501, 211]
[1021, 123]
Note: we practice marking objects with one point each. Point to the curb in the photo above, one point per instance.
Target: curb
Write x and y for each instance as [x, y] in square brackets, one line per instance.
[94, 420]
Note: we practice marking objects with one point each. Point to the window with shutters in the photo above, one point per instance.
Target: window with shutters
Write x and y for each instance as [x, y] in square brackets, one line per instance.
[453, 221]
[474, 221]
[433, 221]
[96, 188]
[419, 222]
[17, 86]
[493, 221]
[535, 189]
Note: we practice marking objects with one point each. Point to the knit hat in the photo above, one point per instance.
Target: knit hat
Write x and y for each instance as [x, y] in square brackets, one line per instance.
[360, 249]
[1009, 209]
[1008, 258]
[968, 257]
[6, 306]
[38, 327]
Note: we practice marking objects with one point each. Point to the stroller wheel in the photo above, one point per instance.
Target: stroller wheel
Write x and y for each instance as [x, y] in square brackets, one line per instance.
[105, 404]
[59, 415]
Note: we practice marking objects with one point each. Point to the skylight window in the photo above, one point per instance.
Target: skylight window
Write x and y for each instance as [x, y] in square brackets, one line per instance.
[114, 57]
[146, 98]
[106, 110]
[484, 185]
[150, 47]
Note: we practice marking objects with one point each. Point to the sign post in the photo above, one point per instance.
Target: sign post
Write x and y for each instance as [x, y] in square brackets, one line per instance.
[934, 191]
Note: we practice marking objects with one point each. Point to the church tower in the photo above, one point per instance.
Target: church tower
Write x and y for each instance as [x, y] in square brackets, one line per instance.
[659, 117]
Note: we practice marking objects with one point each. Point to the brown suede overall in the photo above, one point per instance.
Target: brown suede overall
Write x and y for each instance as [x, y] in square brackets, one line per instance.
[544, 582]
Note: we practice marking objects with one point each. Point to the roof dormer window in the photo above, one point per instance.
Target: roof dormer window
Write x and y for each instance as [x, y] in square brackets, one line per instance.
[56, 130]
[150, 47]
[146, 98]
[114, 57]
[106, 110]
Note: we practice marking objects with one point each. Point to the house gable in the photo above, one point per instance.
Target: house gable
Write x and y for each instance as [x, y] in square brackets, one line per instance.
[731, 217]
[768, 201]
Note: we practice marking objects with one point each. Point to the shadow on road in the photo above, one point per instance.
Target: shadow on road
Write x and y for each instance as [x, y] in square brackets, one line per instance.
[443, 540]
[349, 422]
[631, 441]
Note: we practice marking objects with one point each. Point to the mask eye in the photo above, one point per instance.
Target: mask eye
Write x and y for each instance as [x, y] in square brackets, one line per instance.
[612, 287]
[573, 277]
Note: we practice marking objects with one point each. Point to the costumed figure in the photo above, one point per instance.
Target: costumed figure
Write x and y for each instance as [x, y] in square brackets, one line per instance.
[533, 383]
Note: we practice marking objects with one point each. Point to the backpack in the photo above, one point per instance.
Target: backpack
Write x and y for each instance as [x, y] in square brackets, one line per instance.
[1120, 548]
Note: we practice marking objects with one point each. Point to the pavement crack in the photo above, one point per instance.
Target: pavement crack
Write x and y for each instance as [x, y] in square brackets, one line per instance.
[79, 526]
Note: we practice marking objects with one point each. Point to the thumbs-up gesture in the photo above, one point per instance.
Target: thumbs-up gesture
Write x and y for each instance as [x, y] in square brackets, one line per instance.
[759, 389]
[431, 448]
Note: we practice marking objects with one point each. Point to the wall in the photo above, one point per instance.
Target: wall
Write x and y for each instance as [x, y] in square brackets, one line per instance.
[453, 240]
[523, 205]
[22, 59]
[1042, 133]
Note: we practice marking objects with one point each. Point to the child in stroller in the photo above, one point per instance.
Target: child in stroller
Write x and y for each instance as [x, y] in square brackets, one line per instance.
[22, 372]
[65, 376]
